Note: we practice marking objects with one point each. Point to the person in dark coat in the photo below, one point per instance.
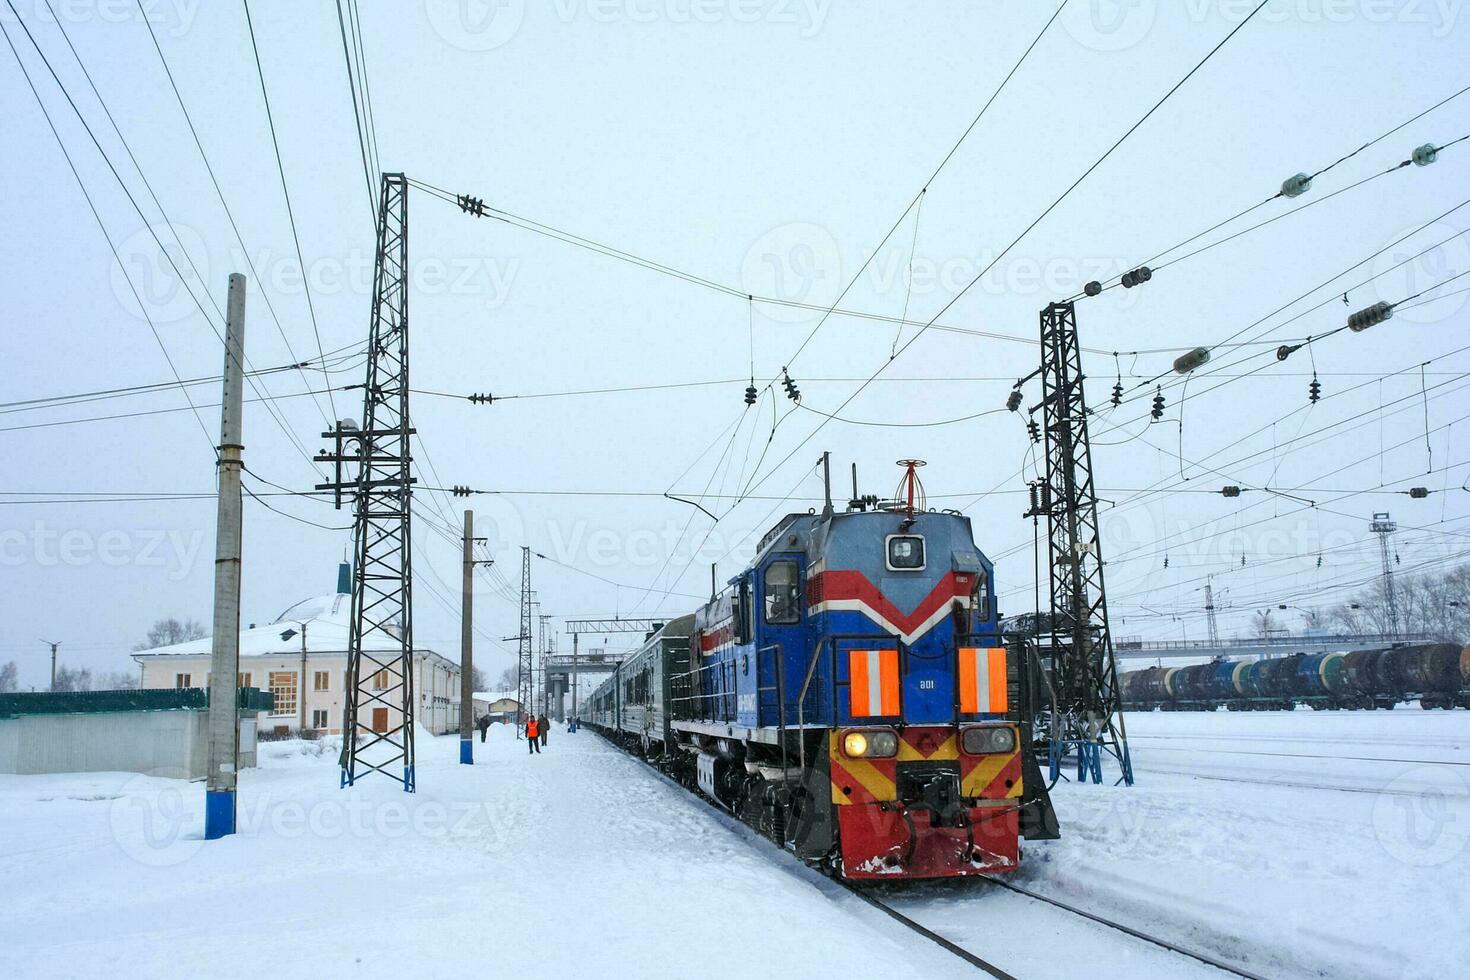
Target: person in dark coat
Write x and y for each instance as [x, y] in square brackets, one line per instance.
[532, 736]
[543, 726]
[484, 725]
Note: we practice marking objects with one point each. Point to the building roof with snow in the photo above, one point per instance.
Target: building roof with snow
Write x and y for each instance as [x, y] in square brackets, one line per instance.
[325, 619]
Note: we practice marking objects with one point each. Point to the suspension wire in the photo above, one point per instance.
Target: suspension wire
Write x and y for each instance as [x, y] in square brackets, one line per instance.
[285, 191]
[127, 192]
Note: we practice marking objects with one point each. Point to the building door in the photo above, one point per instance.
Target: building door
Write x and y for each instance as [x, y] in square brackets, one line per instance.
[380, 719]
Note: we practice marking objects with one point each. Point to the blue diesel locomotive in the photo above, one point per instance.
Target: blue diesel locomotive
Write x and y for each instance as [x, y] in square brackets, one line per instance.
[849, 695]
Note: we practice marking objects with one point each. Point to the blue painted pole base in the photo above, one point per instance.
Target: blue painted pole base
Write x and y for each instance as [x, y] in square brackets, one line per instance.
[219, 814]
[466, 752]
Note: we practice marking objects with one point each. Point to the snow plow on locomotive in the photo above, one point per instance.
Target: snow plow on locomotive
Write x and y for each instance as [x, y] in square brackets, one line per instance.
[849, 695]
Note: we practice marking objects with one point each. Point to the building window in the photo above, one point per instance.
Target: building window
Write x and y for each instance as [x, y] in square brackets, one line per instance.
[183, 680]
[283, 686]
[321, 680]
[319, 718]
[380, 681]
[243, 679]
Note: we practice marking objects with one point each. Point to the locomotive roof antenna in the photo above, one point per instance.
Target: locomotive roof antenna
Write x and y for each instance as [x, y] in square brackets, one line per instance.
[910, 490]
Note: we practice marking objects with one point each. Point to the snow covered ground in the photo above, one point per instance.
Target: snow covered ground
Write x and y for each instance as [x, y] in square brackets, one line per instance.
[1292, 844]
[1302, 844]
[578, 862]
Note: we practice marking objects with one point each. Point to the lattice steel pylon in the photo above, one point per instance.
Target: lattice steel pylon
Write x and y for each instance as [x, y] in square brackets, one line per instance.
[526, 692]
[378, 717]
[1385, 528]
[1088, 706]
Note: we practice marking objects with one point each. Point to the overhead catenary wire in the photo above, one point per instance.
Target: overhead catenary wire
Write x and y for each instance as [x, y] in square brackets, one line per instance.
[285, 189]
[258, 385]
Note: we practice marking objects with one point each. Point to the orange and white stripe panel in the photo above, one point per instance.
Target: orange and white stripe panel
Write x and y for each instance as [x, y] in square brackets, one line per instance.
[983, 680]
[873, 683]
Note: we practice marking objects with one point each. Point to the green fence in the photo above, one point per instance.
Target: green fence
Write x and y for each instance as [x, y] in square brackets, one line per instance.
[137, 699]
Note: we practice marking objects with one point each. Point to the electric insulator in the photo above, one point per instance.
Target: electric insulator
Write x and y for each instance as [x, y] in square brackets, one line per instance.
[1370, 316]
[460, 491]
[792, 391]
[1314, 390]
[1319, 561]
[482, 398]
[1035, 499]
[1185, 363]
[1158, 409]
[1166, 561]
[1014, 401]
[1296, 186]
[1134, 277]
[1425, 155]
[1418, 493]
[1230, 491]
[472, 205]
[1242, 561]
[1092, 288]
[1286, 350]
[1033, 430]
[750, 394]
[1117, 394]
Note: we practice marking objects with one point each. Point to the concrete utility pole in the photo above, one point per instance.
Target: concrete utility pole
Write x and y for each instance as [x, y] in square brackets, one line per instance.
[224, 705]
[54, 644]
[466, 648]
[574, 681]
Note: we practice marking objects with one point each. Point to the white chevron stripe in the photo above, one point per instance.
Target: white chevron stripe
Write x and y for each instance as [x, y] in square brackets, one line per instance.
[858, 605]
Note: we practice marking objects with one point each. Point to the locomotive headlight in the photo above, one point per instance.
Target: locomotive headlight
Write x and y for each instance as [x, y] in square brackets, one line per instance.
[988, 741]
[870, 745]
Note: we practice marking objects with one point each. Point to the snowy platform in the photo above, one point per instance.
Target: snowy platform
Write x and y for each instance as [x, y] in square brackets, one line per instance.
[1294, 845]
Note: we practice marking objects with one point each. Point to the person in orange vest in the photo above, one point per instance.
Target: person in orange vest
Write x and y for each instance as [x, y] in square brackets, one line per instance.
[533, 732]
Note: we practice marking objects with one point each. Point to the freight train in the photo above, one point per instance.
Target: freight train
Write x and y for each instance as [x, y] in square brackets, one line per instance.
[1435, 674]
[849, 695]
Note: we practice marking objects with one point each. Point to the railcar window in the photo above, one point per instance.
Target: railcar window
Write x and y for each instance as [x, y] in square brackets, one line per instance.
[783, 595]
[905, 552]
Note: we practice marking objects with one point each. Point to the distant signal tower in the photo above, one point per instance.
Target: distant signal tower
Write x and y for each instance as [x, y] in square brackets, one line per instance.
[1385, 528]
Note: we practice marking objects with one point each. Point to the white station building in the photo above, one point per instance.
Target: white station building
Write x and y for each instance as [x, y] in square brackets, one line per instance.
[301, 658]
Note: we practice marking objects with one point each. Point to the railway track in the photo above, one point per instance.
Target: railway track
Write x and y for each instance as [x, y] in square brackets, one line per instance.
[1310, 755]
[993, 970]
[865, 895]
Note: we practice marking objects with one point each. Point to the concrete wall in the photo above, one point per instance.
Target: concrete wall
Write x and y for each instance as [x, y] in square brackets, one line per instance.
[164, 743]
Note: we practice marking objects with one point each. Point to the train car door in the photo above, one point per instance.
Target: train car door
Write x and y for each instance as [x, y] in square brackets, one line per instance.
[780, 635]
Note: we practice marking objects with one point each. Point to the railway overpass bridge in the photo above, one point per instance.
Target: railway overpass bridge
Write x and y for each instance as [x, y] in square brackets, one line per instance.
[1255, 648]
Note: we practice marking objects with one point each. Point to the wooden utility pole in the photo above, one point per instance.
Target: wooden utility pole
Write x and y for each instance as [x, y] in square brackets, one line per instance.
[224, 710]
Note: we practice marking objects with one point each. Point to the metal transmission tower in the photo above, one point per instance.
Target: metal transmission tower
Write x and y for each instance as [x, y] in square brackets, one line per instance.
[544, 645]
[1210, 610]
[1384, 528]
[378, 723]
[1085, 676]
[526, 692]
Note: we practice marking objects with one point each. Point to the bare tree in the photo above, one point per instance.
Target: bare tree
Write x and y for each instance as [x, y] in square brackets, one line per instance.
[480, 680]
[117, 680]
[167, 632]
[509, 679]
[73, 679]
[7, 678]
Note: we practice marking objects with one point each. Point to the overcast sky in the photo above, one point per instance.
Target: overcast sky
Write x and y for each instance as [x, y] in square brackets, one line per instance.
[767, 146]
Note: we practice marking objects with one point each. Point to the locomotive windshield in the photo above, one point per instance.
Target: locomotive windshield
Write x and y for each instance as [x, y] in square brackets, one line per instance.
[905, 552]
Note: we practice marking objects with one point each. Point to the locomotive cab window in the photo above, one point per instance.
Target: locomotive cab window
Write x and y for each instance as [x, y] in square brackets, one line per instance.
[905, 553]
[782, 594]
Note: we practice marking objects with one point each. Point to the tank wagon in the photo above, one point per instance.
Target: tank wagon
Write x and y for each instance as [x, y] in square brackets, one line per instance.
[1435, 674]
